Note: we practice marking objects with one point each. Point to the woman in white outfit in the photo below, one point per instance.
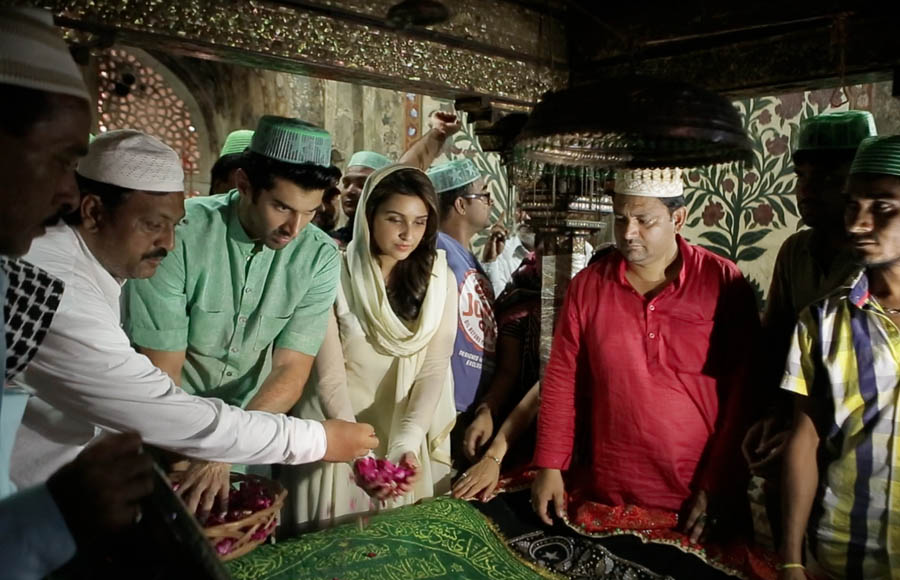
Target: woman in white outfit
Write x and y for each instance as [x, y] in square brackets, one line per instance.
[386, 357]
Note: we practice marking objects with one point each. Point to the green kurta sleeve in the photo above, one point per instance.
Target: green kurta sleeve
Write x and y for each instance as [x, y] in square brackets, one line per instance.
[306, 329]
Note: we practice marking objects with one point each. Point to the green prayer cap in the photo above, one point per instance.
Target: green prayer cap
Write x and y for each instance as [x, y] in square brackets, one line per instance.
[878, 155]
[830, 131]
[291, 141]
[236, 142]
[369, 159]
[454, 174]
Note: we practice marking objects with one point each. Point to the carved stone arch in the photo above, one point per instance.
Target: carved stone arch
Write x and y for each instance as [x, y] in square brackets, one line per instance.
[136, 91]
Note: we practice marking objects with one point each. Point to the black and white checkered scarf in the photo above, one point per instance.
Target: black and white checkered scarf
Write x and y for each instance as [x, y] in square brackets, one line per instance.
[32, 298]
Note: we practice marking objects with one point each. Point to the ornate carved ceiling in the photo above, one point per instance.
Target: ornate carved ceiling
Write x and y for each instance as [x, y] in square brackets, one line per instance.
[505, 51]
[512, 51]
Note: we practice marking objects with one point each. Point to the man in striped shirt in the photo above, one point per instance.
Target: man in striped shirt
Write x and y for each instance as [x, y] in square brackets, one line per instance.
[842, 473]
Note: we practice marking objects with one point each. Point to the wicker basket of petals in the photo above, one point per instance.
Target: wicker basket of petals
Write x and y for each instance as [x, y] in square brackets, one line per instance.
[253, 509]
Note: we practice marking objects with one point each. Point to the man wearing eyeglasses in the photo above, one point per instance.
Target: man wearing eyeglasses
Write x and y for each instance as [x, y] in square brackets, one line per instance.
[464, 205]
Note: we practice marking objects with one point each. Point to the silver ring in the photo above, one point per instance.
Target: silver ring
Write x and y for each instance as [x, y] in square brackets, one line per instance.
[464, 475]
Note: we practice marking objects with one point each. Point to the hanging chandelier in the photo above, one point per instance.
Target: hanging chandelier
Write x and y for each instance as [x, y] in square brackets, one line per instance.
[636, 122]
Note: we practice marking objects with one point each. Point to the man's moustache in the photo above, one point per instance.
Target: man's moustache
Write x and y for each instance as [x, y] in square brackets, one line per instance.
[161, 253]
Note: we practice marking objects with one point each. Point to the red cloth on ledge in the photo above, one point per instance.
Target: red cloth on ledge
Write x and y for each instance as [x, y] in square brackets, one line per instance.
[658, 388]
[735, 556]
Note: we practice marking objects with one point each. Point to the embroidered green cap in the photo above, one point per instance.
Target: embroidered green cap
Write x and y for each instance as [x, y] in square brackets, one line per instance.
[841, 130]
[878, 155]
[369, 159]
[236, 142]
[453, 175]
[291, 141]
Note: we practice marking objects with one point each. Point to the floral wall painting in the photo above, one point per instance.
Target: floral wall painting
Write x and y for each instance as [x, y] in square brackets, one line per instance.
[744, 211]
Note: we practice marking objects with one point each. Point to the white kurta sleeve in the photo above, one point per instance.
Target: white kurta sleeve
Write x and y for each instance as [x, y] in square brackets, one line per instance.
[331, 385]
[432, 378]
[500, 271]
[86, 368]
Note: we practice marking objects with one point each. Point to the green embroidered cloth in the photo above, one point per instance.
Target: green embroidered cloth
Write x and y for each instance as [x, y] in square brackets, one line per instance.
[439, 539]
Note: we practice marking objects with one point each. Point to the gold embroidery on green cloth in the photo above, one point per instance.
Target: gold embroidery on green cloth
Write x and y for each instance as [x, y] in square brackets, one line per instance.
[437, 539]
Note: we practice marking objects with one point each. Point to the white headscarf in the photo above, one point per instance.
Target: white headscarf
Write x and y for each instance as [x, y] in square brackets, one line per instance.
[367, 297]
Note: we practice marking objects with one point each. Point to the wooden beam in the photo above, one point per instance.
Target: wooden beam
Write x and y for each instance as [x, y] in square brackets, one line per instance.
[827, 54]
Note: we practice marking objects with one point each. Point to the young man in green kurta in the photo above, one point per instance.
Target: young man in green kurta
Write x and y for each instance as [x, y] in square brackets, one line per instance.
[239, 309]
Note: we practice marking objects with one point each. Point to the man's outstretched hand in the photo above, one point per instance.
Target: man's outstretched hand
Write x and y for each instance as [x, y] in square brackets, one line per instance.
[347, 441]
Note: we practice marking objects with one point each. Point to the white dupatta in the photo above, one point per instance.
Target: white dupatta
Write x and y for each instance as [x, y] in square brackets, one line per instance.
[366, 296]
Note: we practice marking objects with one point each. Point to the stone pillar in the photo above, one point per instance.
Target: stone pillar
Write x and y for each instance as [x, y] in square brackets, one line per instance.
[565, 206]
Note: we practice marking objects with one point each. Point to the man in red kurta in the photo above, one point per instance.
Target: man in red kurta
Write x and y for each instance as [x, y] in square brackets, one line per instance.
[648, 365]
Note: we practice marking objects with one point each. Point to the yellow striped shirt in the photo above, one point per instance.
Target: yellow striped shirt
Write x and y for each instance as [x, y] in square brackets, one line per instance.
[845, 354]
